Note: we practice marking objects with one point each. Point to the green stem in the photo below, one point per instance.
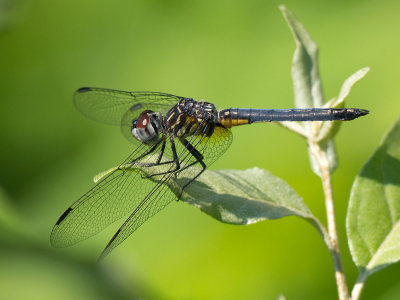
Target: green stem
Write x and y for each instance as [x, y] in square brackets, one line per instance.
[358, 287]
[322, 159]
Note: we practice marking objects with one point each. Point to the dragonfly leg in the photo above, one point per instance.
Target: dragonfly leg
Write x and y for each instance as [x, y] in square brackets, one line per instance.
[194, 152]
[133, 161]
[158, 161]
[160, 155]
[199, 159]
[174, 161]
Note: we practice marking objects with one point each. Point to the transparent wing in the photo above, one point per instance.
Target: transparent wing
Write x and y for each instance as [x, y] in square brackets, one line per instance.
[171, 184]
[110, 106]
[116, 195]
[124, 191]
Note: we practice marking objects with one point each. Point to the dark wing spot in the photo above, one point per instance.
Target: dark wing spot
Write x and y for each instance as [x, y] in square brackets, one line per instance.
[136, 106]
[63, 216]
[84, 90]
[103, 254]
[113, 238]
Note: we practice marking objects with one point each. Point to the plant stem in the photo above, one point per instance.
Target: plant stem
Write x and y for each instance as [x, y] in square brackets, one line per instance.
[358, 287]
[322, 159]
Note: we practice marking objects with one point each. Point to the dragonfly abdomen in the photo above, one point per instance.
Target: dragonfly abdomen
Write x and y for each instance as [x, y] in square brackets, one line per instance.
[240, 116]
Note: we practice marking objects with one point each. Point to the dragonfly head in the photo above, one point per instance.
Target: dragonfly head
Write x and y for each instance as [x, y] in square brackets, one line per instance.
[147, 127]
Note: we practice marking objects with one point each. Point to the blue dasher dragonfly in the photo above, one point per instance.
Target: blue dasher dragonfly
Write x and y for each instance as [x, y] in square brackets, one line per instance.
[176, 139]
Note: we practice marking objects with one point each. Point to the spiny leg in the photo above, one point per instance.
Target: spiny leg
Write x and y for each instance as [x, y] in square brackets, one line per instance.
[174, 160]
[190, 147]
[144, 154]
[158, 162]
[208, 129]
[193, 151]
[199, 159]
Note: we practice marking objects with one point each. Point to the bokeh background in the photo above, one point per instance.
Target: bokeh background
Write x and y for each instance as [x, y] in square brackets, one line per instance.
[232, 53]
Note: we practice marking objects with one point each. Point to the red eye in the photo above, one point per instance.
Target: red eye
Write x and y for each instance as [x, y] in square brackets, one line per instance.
[143, 120]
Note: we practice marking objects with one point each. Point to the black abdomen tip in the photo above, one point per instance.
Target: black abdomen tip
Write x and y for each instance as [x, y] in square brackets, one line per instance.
[84, 90]
[353, 113]
[363, 112]
[348, 114]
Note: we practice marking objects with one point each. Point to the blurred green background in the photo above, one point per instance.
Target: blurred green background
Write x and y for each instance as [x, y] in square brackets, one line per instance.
[232, 53]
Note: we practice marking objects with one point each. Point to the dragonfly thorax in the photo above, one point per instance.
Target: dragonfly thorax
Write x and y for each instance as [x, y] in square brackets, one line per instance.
[189, 117]
[147, 127]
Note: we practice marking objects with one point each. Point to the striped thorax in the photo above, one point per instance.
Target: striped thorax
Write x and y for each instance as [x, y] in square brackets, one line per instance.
[185, 118]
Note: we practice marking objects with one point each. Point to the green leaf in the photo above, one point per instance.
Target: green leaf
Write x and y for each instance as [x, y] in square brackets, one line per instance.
[307, 84]
[327, 130]
[373, 217]
[306, 80]
[347, 87]
[245, 197]
[308, 92]
[238, 197]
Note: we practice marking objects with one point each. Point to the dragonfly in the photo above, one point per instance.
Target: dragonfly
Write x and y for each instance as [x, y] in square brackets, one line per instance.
[176, 138]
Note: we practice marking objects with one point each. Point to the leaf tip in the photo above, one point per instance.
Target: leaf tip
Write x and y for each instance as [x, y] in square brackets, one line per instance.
[366, 69]
[362, 72]
[282, 7]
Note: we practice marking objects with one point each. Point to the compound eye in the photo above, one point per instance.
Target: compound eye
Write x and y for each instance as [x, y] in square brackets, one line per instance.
[143, 121]
[145, 129]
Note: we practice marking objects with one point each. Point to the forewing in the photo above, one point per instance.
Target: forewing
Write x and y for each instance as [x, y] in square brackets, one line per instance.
[116, 195]
[170, 185]
[110, 106]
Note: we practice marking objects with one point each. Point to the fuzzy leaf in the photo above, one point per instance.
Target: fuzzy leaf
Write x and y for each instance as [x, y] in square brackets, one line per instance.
[245, 197]
[306, 80]
[328, 130]
[373, 218]
[307, 84]
[238, 197]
